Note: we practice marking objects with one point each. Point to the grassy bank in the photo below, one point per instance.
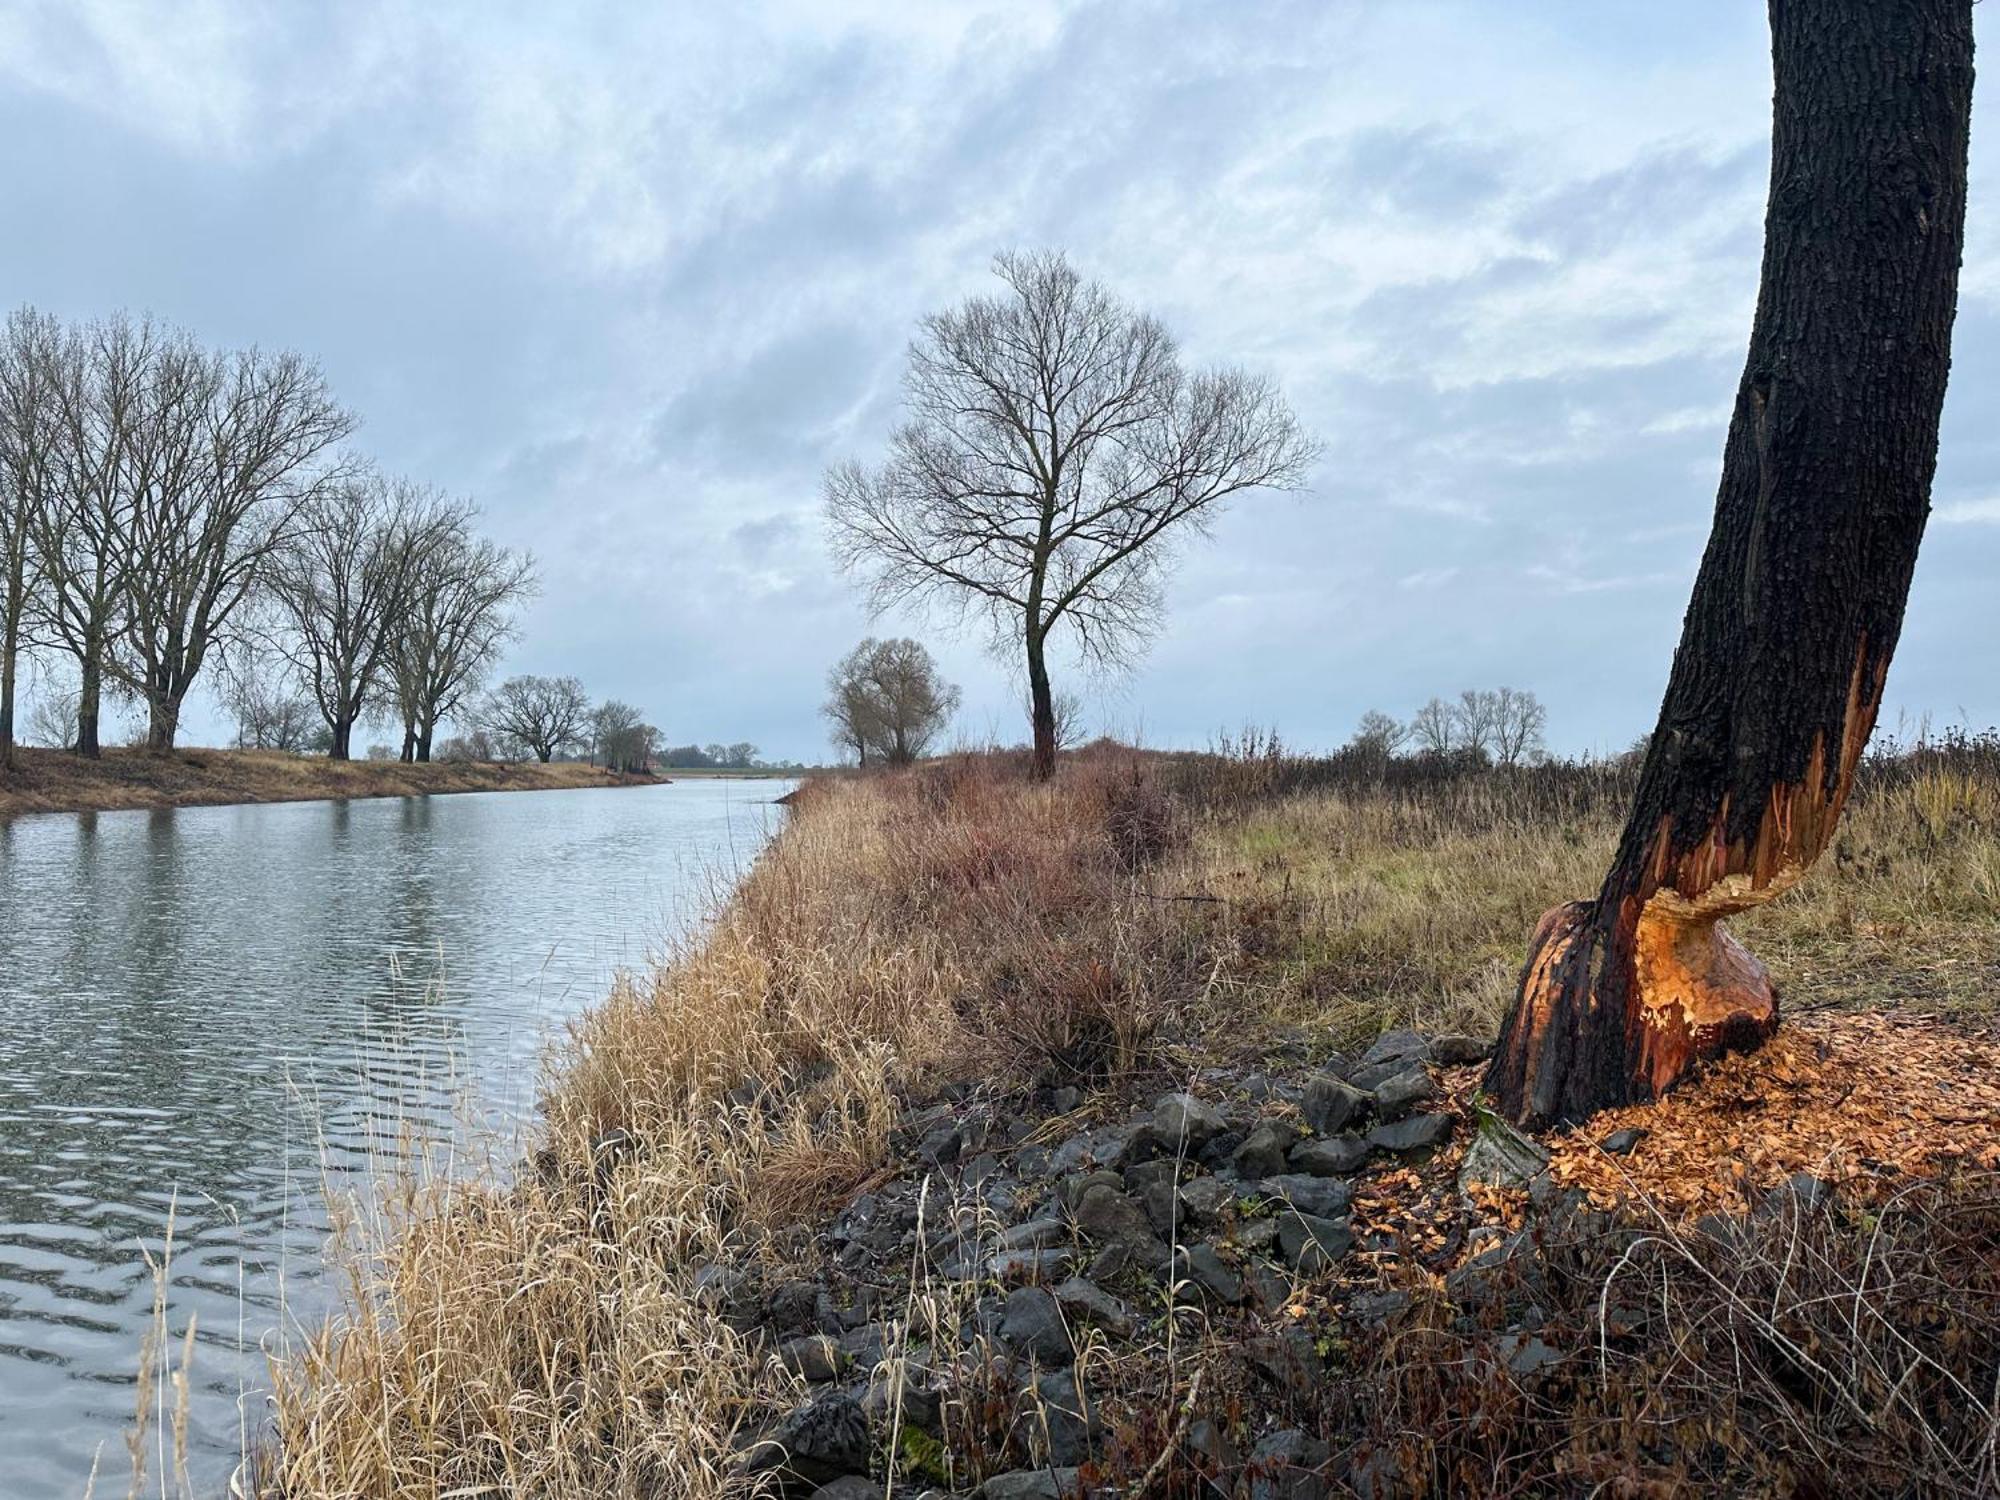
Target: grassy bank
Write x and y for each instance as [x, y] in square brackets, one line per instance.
[53, 781]
[1057, 953]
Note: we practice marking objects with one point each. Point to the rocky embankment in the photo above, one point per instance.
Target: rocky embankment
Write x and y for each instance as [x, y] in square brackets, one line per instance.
[992, 1315]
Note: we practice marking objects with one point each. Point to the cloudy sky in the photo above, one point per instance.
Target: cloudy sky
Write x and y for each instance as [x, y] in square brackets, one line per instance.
[633, 276]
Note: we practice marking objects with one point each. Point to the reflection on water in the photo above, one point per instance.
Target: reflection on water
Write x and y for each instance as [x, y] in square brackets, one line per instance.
[204, 1009]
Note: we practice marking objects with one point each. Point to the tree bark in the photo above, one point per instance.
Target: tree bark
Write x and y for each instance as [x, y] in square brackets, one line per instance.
[89, 702]
[342, 747]
[1799, 600]
[1042, 707]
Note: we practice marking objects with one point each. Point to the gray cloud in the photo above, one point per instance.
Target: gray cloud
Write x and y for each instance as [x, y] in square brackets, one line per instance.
[633, 279]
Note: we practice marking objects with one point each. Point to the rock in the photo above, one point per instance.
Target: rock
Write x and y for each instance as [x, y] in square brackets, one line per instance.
[1487, 1275]
[1112, 1221]
[905, 1384]
[794, 1306]
[1396, 1097]
[1263, 1150]
[1213, 1453]
[1085, 1301]
[849, 1487]
[1325, 1196]
[941, 1146]
[1207, 1198]
[1400, 1046]
[1331, 1103]
[1288, 1360]
[1311, 1244]
[1032, 1484]
[1070, 1191]
[1107, 1149]
[824, 1440]
[1015, 1267]
[814, 1357]
[1033, 1234]
[1456, 1050]
[1335, 1156]
[1213, 1275]
[1034, 1325]
[1268, 1287]
[1373, 1309]
[1184, 1124]
[1526, 1355]
[1801, 1195]
[1161, 1171]
[1063, 1425]
[1622, 1142]
[1500, 1156]
[1256, 1236]
[1285, 1466]
[1415, 1137]
[1064, 1099]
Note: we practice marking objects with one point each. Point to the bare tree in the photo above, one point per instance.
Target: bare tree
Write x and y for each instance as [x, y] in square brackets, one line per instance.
[30, 352]
[225, 459]
[1518, 721]
[887, 700]
[341, 581]
[459, 612]
[102, 384]
[1475, 717]
[1434, 727]
[1054, 450]
[543, 715]
[1380, 735]
[623, 737]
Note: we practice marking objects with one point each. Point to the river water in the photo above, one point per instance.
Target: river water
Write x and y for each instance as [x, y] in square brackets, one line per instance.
[218, 1013]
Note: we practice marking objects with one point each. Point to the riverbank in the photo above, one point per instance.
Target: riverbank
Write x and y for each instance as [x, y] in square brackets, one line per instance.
[54, 781]
[1120, 1136]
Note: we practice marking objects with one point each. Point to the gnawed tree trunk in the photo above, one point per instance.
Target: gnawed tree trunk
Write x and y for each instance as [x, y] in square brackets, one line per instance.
[1825, 488]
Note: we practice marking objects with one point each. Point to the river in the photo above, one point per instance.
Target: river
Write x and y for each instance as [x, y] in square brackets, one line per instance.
[217, 1013]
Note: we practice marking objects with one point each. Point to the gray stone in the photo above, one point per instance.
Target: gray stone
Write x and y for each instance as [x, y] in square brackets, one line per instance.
[1184, 1123]
[1212, 1274]
[824, 1440]
[1373, 1309]
[1085, 1301]
[1212, 1450]
[1034, 1325]
[1286, 1466]
[1032, 1484]
[1415, 1137]
[1268, 1287]
[1526, 1355]
[1400, 1046]
[1397, 1096]
[1070, 1191]
[1263, 1149]
[1288, 1360]
[1112, 1221]
[1500, 1156]
[1033, 1234]
[1311, 1244]
[1013, 1267]
[1109, 1148]
[1333, 1156]
[1801, 1195]
[1622, 1142]
[1314, 1195]
[1456, 1050]
[1332, 1103]
[1063, 1426]
[1256, 1236]
[849, 1487]
[1207, 1198]
[814, 1357]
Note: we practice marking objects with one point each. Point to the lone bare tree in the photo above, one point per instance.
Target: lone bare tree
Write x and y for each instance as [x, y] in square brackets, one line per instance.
[887, 701]
[1434, 727]
[341, 581]
[458, 613]
[1379, 735]
[1826, 478]
[1518, 721]
[545, 715]
[1055, 448]
[29, 356]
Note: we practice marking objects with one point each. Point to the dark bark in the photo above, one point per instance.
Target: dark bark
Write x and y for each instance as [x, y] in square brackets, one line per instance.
[89, 703]
[10, 666]
[342, 747]
[1042, 708]
[424, 743]
[1785, 649]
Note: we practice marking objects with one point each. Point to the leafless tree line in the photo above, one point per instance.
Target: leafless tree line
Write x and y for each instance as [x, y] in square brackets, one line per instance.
[1502, 726]
[167, 508]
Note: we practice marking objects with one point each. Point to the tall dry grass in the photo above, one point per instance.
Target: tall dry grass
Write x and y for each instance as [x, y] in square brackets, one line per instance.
[956, 924]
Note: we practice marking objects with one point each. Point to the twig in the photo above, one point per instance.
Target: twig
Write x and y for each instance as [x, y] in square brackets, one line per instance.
[1173, 1442]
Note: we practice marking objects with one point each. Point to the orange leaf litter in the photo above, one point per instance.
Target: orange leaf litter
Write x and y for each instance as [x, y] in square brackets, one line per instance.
[1857, 1098]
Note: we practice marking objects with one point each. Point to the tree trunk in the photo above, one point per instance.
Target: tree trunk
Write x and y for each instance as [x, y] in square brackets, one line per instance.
[10, 666]
[343, 740]
[1042, 708]
[424, 744]
[163, 716]
[1825, 487]
[89, 701]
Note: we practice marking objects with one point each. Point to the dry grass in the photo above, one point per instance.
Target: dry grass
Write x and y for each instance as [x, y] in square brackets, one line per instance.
[551, 1337]
[55, 781]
